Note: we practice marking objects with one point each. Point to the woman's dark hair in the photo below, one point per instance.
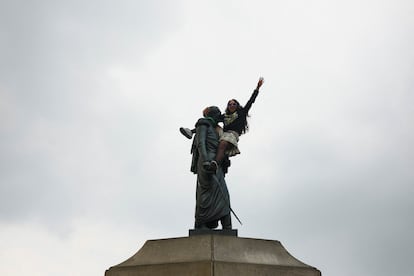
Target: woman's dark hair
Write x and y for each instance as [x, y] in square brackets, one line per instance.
[239, 107]
[243, 116]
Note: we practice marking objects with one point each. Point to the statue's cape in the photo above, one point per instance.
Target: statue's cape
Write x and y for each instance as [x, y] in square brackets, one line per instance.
[194, 151]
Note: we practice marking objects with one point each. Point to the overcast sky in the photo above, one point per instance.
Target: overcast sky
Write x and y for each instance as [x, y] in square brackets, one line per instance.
[92, 94]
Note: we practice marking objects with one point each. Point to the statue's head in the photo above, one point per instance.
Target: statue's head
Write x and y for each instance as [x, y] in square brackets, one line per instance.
[212, 112]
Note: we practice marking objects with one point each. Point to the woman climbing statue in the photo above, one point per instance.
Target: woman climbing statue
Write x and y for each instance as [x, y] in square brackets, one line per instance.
[234, 124]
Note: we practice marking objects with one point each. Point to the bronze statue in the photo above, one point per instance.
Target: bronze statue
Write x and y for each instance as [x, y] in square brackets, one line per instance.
[212, 146]
[212, 196]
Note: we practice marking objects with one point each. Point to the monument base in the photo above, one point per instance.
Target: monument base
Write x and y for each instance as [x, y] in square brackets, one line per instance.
[212, 254]
[224, 232]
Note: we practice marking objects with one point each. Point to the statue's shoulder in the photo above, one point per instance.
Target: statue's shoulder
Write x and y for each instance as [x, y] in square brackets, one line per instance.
[203, 121]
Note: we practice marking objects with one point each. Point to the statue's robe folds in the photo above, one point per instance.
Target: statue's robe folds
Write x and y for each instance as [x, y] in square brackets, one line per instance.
[212, 196]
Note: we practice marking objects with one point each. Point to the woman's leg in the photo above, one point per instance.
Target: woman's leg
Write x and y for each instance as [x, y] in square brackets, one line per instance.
[223, 145]
[187, 132]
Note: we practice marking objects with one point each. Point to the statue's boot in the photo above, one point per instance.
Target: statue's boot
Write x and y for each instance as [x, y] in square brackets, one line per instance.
[226, 221]
[212, 224]
[201, 226]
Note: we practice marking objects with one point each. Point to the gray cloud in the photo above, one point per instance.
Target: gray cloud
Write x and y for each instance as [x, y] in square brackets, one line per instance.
[92, 95]
[53, 69]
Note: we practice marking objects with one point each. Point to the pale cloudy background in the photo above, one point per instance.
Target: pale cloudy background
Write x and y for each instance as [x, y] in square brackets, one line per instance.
[92, 94]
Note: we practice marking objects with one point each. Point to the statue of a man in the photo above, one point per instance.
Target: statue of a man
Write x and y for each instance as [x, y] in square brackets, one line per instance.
[212, 196]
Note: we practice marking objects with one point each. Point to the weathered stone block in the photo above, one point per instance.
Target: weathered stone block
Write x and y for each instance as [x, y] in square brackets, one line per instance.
[212, 254]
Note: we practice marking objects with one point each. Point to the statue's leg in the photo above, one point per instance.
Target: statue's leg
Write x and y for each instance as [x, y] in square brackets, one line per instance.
[212, 224]
[200, 226]
[226, 221]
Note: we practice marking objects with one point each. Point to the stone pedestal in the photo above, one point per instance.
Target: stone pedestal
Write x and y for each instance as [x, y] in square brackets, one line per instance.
[212, 254]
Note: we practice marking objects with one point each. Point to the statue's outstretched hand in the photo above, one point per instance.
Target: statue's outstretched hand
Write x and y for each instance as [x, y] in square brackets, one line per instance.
[259, 84]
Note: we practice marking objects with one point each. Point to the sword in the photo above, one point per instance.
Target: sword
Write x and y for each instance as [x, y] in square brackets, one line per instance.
[228, 201]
